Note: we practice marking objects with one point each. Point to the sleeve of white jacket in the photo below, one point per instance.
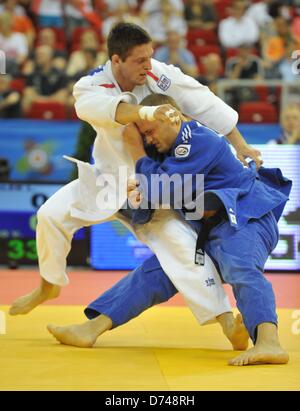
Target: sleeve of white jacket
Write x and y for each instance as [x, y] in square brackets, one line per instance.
[95, 104]
[196, 100]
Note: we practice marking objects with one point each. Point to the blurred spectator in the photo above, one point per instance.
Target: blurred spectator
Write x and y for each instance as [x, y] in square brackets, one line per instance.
[290, 126]
[49, 13]
[14, 45]
[46, 83]
[281, 37]
[282, 8]
[259, 13]
[276, 46]
[245, 65]
[174, 53]
[27, 6]
[238, 29]
[122, 12]
[154, 6]
[13, 7]
[90, 60]
[47, 37]
[73, 12]
[200, 14]
[80, 13]
[296, 27]
[9, 99]
[113, 5]
[77, 62]
[162, 16]
[20, 21]
[211, 71]
[286, 66]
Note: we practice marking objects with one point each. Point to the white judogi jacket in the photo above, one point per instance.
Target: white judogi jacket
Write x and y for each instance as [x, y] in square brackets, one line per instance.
[97, 96]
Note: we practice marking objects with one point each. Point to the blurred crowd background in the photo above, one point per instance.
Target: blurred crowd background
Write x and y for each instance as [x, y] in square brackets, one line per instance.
[247, 52]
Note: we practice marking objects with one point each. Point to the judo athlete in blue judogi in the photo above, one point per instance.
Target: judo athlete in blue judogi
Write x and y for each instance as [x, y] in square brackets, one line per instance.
[238, 229]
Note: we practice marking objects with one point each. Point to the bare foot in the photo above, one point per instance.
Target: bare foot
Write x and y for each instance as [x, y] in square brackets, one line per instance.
[76, 335]
[28, 302]
[239, 336]
[261, 354]
[83, 335]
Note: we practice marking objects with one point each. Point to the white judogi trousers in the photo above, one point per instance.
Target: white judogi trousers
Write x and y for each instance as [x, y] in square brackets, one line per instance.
[169, 237]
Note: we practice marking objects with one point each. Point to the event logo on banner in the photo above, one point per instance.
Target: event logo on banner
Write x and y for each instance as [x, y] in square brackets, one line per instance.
[34, 148]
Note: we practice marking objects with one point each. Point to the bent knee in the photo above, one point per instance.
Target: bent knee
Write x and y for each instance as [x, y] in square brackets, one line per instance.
[50, 211]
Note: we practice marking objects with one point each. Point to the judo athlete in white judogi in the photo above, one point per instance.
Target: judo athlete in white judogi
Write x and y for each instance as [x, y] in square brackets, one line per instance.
[107, 99]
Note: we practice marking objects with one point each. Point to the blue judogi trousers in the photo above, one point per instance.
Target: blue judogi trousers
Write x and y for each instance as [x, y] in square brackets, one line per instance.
[144, 287]
[240, 256]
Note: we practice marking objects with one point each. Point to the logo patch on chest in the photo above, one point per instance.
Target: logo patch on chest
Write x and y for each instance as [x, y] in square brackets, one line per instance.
[164, 82]
[183, 150]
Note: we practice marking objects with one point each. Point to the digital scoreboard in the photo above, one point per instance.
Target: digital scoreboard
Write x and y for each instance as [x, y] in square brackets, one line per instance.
[19, 202]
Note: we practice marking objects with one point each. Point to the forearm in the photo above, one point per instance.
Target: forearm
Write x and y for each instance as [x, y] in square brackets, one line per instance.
[236, 72]
[236, 139]
[127, 113]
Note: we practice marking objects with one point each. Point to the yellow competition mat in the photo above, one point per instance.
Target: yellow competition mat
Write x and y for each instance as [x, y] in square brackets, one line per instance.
[163, 349]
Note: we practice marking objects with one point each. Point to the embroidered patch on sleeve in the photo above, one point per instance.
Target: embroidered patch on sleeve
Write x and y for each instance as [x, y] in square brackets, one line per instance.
[164, 82]
[183, 150]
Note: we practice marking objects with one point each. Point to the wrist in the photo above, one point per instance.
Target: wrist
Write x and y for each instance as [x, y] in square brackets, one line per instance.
[147, 112]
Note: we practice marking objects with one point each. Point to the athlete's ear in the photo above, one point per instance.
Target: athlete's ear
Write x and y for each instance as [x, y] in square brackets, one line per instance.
[115, 59]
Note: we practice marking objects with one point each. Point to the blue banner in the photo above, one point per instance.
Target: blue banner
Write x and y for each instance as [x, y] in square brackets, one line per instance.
[35, 148]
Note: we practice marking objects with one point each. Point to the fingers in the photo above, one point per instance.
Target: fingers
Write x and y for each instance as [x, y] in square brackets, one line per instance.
[173, 115]
[132, 184]
[251, 153]
[168, 113]
[259, 162]
[135, 199]
[243, 160]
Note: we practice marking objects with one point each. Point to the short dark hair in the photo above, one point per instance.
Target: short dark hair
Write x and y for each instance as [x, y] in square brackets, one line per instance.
[156, 99]
[123, 37]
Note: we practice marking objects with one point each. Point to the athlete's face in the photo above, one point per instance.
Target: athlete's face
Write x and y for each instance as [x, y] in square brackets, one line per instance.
[162, 135]
[133, 70]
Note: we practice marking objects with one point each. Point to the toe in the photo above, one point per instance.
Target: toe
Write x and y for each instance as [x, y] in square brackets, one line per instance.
[233, 361]
[52, 328]
[12, 311]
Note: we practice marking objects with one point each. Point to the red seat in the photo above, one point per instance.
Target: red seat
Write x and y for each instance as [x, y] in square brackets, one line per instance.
[200, 36]
[201, 51]
[222, 8]
[47, 111]
[18, 84]
[72, 115]
[257, 112]
[262, 92]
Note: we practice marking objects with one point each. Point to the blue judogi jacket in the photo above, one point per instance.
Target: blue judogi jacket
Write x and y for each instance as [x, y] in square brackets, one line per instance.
[244, 192]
